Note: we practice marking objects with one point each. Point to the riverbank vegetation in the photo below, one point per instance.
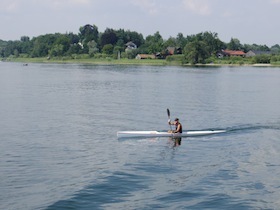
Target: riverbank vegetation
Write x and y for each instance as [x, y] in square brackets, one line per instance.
[124, 46]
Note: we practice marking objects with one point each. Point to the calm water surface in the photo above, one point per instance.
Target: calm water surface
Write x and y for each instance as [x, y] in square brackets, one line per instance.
[59, 148]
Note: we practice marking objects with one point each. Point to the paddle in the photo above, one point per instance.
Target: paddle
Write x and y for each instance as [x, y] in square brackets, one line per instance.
[168, 114]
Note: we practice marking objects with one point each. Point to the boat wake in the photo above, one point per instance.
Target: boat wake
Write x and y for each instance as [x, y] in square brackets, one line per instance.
[252, 128]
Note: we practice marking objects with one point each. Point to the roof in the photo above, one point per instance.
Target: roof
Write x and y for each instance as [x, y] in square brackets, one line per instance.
[130, 45]
[259, 52]
[145, 56]
[171, 50]
[234, 52]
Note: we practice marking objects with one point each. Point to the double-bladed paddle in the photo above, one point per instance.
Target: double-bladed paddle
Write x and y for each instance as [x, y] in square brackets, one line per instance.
[168, 114]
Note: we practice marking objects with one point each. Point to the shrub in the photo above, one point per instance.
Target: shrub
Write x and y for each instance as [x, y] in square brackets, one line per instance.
[262, 59]
[275, 58]
[175, 58]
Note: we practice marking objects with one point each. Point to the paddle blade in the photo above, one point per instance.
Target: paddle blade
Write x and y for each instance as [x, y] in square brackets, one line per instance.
[168, 113]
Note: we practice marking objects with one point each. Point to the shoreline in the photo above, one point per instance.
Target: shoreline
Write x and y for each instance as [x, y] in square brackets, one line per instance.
[146, 62]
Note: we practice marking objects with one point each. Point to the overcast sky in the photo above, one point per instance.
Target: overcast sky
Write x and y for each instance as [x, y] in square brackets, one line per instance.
[250, 21]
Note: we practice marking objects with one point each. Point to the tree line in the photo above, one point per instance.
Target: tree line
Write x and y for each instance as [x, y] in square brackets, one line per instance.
[90, 43]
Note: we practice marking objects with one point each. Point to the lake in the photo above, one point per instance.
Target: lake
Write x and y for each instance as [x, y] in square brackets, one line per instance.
[59, 148]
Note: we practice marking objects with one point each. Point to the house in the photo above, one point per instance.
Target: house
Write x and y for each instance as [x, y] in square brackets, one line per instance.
[253, 53]
[145, 56]
[169, 51]
[130, 46]
[233, 53]
[174, 50]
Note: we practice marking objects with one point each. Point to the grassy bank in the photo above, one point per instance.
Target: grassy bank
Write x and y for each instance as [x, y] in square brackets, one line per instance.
[147, 62]
[101, 61]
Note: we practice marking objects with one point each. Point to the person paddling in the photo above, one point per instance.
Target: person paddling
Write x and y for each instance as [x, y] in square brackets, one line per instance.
[178, 126]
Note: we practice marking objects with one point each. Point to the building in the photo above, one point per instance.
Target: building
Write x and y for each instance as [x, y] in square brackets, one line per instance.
[174, 50]
[130, 46]
[233, 53]
[253, 53]
[145, 56]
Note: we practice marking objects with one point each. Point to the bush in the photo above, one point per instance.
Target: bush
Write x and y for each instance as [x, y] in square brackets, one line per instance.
[211, 59]
[97, 55]
[23, 55]
[108, 49]
[262, 59]
[175, 58]
[275, 58]
[80, 56]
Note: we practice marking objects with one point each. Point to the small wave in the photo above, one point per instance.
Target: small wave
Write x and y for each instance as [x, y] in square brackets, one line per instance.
[253, 127]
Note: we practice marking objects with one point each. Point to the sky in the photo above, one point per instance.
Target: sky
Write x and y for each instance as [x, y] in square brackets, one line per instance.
[249, 21]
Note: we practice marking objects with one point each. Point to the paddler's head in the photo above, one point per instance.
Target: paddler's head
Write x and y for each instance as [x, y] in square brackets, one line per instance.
[176, 121]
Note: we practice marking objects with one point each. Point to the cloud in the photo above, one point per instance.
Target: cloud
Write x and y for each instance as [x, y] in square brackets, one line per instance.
[9, 6]
[226, 14]
[275, 1]
[61, 4]
[71, 2]
[200, 7]
[147, 5]
[14, 5]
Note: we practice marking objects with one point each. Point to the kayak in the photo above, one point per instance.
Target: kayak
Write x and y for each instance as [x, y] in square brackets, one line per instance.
[151, 134]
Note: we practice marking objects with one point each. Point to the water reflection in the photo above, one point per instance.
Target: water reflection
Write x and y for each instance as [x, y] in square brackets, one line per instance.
[175, 141]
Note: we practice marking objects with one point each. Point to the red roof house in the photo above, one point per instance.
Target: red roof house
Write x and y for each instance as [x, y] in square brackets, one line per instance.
[234, 53]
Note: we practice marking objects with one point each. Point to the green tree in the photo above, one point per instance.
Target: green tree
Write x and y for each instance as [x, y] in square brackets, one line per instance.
[135, 37]
[181, 40]
[170, 42]
[154, 43]
[26, 45]
[43, 44]
[74, 38]
[234, 44]
[2, 47]
[108, 49]
[117, 51]
[12, 48]
[56, 50]
[275, 49]
[16, 53]
[214, 44]
[127, 36]
[196, 52]
[75, 49]
[62, 40]
[88, 33]
[92, 47]
[108, 37]
[255, 47]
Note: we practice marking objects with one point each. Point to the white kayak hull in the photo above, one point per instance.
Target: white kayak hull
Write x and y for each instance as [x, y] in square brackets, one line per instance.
[150, 134]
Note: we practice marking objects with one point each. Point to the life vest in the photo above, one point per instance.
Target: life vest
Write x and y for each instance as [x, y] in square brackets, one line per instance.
[181, 129]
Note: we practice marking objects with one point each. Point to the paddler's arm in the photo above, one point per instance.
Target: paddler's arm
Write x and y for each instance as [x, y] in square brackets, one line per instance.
[171, 123]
